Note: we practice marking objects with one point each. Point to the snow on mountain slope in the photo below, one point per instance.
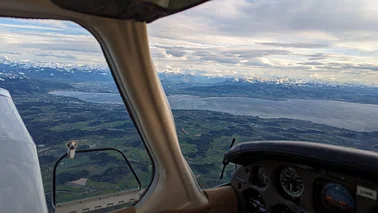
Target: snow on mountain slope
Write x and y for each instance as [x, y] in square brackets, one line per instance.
[10, 68]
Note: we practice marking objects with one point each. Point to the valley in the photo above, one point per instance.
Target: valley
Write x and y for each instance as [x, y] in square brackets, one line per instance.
[206, 121]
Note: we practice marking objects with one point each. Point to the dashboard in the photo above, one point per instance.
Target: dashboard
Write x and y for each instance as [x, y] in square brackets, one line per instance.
[304, 177]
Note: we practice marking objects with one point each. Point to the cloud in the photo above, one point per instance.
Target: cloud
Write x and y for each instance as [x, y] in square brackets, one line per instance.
[331, 39]
[253, 53]
[221, 59]
[48, 41]
[371, 67]
[317, 56]
[334, 40]
[10, 52]
[175, 53]
[344, 67]
[201, 53]
[69, 57]
[260, 62]
[294, 45]
[312, 63]
[263, 16]
[73, 46]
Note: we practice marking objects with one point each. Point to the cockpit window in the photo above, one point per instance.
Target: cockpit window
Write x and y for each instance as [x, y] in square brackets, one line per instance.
[268, 70]
[62, 87]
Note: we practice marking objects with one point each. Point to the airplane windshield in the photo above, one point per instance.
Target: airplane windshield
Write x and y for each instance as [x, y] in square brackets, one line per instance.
[268, 70]
[253, 70]
[59, 81]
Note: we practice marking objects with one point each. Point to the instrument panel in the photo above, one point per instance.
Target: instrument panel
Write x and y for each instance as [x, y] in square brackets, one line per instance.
[277, 186]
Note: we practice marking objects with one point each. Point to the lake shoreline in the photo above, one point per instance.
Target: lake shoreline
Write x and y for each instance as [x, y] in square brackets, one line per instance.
[352, 116]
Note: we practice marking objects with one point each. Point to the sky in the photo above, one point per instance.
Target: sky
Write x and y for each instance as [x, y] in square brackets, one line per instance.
[300, 39]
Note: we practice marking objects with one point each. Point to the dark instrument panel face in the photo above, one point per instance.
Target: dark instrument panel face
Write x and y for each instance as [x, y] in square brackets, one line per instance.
[290, 187]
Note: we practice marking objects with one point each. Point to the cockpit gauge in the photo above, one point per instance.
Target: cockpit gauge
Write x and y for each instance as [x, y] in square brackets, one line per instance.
[255, 202]
[261, 179]
[291, 183]
[337, 198]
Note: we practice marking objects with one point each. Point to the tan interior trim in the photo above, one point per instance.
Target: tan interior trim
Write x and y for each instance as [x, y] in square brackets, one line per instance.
[125, 44]
[221, 200]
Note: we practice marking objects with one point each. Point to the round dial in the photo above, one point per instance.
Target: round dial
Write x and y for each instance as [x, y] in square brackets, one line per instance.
[337, 198]
[291, 183]
[262, 177]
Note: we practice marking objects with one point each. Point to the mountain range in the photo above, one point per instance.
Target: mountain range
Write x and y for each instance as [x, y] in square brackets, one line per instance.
[32, 77]
[10, 68]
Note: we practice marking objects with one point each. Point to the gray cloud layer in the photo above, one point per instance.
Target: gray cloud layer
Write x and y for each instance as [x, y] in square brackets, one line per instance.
[294, 45]
[314, 39]
[311, 39]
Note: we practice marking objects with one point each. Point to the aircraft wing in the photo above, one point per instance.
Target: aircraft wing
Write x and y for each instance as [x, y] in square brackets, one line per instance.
[21, 187]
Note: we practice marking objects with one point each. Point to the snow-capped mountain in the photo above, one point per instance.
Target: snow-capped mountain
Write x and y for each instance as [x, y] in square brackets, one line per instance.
[5, 60]
[190, 78]
[21, 78]
[11, 69]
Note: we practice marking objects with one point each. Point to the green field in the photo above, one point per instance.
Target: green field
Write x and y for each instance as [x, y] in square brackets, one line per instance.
[204, 137]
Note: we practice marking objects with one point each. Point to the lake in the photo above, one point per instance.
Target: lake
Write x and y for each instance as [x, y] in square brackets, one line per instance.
[353, 116]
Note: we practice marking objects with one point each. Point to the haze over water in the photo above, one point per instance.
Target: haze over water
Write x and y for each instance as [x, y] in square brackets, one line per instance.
[353, 116]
